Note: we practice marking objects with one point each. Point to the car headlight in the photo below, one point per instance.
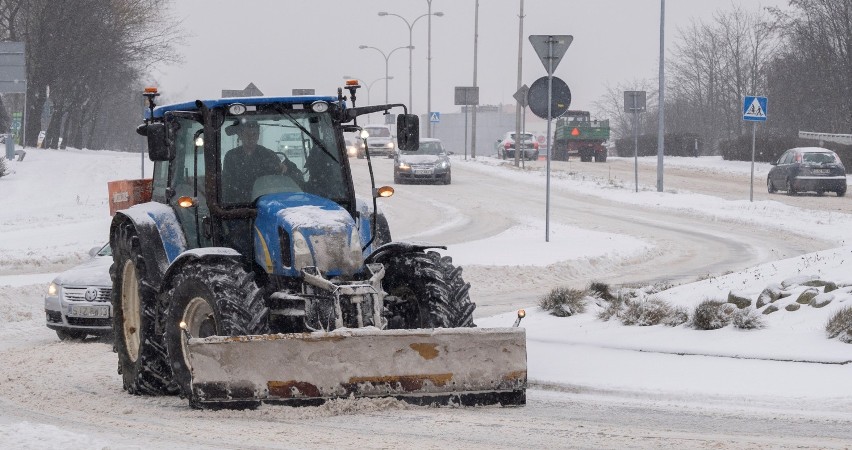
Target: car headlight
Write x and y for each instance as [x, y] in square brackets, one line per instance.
[301, 251]
[52, 289]
[390, 144]
[403, 166]
[443, 164]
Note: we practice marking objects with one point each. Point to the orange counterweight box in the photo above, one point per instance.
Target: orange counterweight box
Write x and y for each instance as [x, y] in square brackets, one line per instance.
[126, 193]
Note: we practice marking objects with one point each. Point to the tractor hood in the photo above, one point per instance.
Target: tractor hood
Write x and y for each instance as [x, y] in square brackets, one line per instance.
[298, 230]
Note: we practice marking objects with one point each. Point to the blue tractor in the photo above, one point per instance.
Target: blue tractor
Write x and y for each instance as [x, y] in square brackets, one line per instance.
[254, 260]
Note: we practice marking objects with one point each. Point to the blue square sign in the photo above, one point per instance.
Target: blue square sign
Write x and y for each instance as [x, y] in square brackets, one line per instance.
[754, 108]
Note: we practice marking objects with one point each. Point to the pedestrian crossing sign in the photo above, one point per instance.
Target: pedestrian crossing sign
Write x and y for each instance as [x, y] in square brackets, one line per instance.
[434, 117]
[754, 108]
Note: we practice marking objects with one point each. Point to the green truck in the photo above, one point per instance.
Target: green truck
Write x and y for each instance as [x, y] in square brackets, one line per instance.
[578, 135]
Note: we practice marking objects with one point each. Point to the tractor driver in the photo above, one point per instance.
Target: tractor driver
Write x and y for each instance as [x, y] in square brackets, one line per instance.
[247, 162]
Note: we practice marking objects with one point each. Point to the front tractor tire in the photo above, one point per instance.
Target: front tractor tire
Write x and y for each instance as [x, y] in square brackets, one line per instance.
[212, 299]
[141, 354]
[429, 292]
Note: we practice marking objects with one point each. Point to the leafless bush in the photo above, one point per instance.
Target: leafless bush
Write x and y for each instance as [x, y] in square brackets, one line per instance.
[748, 319]
[652, 311]
[677, 316]
[840, 325]
[600, 290]
[3, 169]
[710, 315]
[564, 302]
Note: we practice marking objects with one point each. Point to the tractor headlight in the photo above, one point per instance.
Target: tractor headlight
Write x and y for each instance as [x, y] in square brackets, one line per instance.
[301, 251]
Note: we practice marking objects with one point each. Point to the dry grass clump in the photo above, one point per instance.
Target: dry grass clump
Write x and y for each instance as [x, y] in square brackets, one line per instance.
[652, 311]
[600, 290]
[564, 302]
[840, 325]
[748, 319]
[710, 315]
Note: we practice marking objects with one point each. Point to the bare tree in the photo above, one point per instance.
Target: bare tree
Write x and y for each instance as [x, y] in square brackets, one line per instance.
[84, 52]
[714, 65]
[812, 76]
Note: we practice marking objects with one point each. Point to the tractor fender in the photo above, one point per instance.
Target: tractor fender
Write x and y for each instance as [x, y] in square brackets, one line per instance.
[158, 230]
[397, 248]
[207, 255]
[364, 222]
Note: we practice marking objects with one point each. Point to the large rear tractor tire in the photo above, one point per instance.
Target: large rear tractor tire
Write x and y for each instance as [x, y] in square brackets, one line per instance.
[430, 290]
[142, 359]
[218, 299]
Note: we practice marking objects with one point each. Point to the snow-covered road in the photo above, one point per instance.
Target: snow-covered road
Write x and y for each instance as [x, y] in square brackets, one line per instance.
[67, 394]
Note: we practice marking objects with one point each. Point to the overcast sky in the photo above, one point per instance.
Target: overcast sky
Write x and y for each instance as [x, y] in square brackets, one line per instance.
[282, 45]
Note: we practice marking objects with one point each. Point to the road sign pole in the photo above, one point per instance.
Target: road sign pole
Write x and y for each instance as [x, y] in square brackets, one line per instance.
[635, 143]
[549, 117]
[751, 187]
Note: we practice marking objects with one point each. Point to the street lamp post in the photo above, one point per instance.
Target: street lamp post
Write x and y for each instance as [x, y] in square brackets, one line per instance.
[411, 47]
[387, 58]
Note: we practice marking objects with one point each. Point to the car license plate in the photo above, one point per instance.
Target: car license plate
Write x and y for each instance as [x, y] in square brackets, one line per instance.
[422, 171]
[821, 171]
[89, 311]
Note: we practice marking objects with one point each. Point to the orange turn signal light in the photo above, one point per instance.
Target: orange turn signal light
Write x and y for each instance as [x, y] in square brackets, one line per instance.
[384, 191]
[186, 202]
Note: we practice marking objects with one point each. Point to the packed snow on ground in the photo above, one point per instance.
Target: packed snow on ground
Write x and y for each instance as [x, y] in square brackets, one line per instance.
[53, 209]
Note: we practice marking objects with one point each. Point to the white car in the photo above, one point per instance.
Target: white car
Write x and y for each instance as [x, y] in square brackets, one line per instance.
[379, 140]
[77, 303]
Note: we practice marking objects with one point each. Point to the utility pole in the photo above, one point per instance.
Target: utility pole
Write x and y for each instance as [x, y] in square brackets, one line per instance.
[661, 131]
[519, 140]
[475, 46]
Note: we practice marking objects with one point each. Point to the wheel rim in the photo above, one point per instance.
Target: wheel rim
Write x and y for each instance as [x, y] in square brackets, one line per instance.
[200, 322]
[130, 310]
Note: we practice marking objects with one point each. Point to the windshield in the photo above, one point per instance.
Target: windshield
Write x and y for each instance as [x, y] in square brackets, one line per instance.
[378, 131]
[291, 151]
[819, 158]
[428, 148]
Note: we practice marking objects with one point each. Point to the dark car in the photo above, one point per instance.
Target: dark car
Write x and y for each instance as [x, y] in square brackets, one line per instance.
[807, 169]
[77, 303]
[427, 163]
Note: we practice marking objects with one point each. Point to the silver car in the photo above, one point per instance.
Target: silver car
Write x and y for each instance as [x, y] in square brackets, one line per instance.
[77, 303]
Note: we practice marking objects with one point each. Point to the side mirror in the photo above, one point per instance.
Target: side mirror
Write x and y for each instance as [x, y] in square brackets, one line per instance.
[407, 132]
[774, 163]
[158, 147]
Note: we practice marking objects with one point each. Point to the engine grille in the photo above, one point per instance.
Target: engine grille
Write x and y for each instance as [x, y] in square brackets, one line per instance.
[78, 294]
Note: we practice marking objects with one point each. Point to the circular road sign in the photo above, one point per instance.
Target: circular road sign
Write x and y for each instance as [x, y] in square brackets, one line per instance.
[560, 101]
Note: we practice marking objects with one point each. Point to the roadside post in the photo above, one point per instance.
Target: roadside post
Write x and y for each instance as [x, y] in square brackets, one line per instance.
[754, 110]
[634, 101]
[550, 50]
[521, 96]
[466, 96]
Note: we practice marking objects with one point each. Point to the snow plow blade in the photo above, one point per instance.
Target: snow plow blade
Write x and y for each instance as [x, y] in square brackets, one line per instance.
[452, 366]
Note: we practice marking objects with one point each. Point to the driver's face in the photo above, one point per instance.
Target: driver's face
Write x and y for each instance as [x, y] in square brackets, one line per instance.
[250, 134]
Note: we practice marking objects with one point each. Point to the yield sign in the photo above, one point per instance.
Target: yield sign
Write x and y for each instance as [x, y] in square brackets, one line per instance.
[550, 49]
[754, 108]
